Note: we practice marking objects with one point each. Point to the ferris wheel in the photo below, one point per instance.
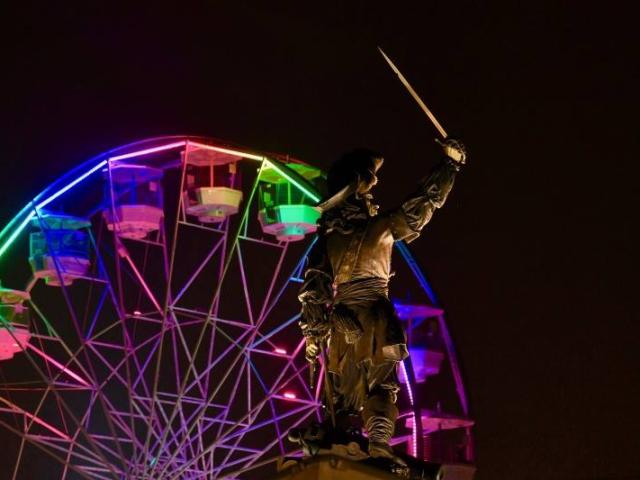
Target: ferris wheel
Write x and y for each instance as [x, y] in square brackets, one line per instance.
[148, 321]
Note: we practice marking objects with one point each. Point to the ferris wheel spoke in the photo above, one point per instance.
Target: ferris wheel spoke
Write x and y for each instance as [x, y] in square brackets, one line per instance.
[258, 407]
[216, 248]
[221, 383]
[75, 322]
[32, 421]
[126, 382]
[265, 308]
[223, 271]
[245, 289]
[187, 353]
[255, 456]
[103, 273]
[238, 380]
[16, 467]
[275, 278]
[140, 278]
[250, 367]
[235, 346]
[49, 361]
[203, 409]
[49, 451]
[117, 421]
[74, 444]
[67, 409]
[167, 301]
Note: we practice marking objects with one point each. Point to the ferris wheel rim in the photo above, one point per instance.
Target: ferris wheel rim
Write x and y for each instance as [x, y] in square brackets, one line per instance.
[20, 220]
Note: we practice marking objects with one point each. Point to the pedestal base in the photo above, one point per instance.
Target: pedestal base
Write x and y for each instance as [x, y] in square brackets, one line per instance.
[331, 467]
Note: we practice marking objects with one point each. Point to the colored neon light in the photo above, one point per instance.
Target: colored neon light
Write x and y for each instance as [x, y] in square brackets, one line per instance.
[46, 202]
[250, 156]
[69, 186]
[147, 151]
[290, 395]
[73, 375]
[414, 435]
[14, 220]
[35, 419]
[451, 353]
[312, 195]
[280, 351]
[15, 233]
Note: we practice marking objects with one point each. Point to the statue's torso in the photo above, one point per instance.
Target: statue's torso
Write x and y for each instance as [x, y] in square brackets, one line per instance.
[364, 253]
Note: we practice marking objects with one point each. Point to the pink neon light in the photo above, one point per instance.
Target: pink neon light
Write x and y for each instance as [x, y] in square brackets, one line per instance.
[280, 351]
[147, 151]
[35, 419]
[169, 146]
[137, 312]
[73, 375]
[414, 435]
[290, 395]
[227, 150]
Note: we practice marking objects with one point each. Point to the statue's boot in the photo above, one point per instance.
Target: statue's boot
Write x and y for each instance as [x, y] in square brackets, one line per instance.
[310, 438]
[380, 430]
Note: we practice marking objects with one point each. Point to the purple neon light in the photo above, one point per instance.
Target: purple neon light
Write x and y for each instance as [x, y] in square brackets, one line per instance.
[414, 435]
[147, 151]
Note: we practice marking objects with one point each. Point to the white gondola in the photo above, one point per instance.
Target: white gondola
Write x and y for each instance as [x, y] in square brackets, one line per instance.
[212, 185]
[133, 200]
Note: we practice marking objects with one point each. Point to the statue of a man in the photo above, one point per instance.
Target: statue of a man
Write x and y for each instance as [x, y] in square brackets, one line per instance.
[344, 297]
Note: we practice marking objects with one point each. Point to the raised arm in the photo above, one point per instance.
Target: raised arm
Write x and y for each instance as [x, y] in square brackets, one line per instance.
[418, 208]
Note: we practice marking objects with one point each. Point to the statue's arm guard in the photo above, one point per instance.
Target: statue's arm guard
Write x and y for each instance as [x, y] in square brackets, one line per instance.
[416, 211]
[316, 292]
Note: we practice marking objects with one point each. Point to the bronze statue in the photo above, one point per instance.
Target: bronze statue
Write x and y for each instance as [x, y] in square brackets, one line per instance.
[345, 304]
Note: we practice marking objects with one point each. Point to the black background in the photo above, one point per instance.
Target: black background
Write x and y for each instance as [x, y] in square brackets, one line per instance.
[532, 255]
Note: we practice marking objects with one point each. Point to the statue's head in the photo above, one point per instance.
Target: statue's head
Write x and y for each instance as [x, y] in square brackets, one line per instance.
[359, 166]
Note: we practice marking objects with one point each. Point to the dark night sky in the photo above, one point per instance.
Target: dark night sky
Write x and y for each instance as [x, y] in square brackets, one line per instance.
[532, 255]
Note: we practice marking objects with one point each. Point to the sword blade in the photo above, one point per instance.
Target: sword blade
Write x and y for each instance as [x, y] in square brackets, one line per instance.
[415, 96]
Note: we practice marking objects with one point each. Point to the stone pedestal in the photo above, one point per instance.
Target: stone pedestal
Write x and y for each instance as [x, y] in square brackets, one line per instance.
[330, 467]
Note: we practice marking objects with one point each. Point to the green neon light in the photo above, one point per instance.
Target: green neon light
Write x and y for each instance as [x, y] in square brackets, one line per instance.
[312, 195]
[9, 225]
[15, 233]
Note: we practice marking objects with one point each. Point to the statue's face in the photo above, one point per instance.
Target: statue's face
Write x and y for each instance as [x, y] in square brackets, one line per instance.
[369, 179]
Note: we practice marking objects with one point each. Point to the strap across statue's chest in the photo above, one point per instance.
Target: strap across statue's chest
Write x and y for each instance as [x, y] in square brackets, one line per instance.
[345, 254]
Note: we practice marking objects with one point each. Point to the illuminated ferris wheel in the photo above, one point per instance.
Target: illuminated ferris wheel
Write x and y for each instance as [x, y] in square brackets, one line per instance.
[148, 320]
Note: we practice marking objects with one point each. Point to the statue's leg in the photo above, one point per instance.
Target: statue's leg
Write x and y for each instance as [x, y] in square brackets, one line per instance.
[348, 391]
[380, 412]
